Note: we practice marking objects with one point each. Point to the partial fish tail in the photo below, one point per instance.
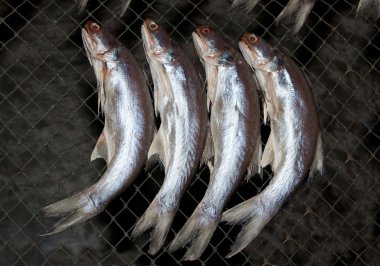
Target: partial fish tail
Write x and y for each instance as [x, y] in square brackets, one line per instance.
[159, 217]
[300, 9]
[249, 4]
[255, 215]
[74, 210]
[124, 7]
[82, 5]
[365, 5]
[198, 230]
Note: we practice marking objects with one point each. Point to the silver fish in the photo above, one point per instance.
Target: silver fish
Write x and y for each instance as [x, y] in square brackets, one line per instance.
[181, 104]
[128, 130]
[235, 131]
[125, 4]
[294, 146]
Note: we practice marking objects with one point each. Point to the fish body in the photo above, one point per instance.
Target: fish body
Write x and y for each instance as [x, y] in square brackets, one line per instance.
[180, 101]
[235, 131]
[294, 146]
[128, 130]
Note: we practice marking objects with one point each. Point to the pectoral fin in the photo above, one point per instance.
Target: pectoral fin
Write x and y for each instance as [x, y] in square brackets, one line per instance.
[255, 165]
[317, 165]
[271, 154]
[158, 147]
[100, 150]
[208, 153]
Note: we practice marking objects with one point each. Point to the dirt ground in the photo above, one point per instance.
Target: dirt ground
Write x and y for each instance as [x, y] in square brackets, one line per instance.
[49, 125]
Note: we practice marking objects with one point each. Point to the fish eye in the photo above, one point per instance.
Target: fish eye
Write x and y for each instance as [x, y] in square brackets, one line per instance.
[153, 26]
[252, 38]
[205, 30]
[94, 26]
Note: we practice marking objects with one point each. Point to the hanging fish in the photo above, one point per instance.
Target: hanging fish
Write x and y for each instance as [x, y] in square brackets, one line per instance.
[294, 145]
[128, 130]
[180, 101]
[235, 134]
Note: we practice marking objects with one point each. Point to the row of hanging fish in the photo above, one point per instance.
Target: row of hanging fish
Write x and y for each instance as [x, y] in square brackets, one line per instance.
[295, 11]
[229, 142]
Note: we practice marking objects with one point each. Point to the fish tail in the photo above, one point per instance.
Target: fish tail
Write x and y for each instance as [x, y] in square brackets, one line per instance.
[158, 217]
[198, 230]
[74, 210]
[82, 4]
[288, 10]
[254, 215]
[302, 14]
[249, 4]
[124, 7]
[365, 5]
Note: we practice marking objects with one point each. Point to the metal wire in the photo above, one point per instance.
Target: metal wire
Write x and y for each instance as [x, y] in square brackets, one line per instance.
[49, 126]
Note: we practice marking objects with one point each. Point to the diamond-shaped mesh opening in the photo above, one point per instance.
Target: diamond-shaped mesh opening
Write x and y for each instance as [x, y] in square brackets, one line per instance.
[49, 125]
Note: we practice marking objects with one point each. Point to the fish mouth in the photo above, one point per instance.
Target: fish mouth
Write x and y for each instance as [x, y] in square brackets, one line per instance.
[148, 30]
[87, 34]
[203, 49]
[247, 41]
[199, 44]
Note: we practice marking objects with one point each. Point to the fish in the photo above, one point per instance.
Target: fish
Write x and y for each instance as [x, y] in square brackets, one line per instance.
[180, 102]
[369, 8]
[125, 4]
[294, 146]
[235, 135]
[128, 130]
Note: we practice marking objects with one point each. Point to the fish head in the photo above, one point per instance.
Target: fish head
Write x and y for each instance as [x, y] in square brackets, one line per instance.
[259, 53]
[99, 43]
[211, 47]
[157, 42]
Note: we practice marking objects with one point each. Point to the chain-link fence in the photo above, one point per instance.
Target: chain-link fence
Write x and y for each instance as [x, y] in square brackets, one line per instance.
[49, 126]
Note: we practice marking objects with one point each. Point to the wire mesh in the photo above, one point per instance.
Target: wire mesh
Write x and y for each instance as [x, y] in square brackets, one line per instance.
[49, 126]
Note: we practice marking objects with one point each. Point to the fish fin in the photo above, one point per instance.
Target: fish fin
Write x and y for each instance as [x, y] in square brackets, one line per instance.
[208, 153]
[254, 214]
[75, 210]
[100, 150]
[268, 154]
[265, 113]
[198, 230]
[317, 165]
[255, 165]
[100, 77]
[158, 147]
[159, 217]
[124, 7]
[211, 76]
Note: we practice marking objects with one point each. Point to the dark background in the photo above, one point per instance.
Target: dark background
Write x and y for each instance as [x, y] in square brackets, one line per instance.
[49, 126]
